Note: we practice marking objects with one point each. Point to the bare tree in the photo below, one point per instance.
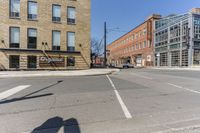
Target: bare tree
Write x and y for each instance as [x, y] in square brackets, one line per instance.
[96, 48]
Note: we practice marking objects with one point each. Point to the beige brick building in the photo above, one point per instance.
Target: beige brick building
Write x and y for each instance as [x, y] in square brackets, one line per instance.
[44, 34]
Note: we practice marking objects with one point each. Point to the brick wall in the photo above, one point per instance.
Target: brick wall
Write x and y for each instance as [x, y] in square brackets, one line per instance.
[122, 48]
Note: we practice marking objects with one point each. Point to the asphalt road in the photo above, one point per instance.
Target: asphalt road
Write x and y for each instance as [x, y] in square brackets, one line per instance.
[131, 101]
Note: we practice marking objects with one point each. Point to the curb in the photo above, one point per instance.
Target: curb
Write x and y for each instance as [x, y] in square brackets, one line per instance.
[176, 69]
[58, 75]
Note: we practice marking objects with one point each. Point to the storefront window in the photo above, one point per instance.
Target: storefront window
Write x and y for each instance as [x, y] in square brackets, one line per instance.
[197, 57]
[32, 62]
[14, 61]
[71, 61]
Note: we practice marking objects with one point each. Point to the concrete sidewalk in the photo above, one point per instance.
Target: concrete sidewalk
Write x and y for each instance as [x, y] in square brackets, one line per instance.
[89, 72]
[176, 68]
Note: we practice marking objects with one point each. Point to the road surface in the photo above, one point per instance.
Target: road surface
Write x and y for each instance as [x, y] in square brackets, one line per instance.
[131, 101]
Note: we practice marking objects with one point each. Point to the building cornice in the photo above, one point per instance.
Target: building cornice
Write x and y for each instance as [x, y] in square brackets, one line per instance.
[38, 51]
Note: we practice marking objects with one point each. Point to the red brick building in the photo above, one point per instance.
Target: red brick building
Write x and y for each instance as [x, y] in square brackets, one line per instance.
[135, 47]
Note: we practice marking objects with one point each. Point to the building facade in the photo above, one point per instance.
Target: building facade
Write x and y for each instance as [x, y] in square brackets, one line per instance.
[44, 34]
[177, 40]
[135, 47]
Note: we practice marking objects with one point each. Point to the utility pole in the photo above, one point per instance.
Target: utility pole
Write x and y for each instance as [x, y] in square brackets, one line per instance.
[105, 43]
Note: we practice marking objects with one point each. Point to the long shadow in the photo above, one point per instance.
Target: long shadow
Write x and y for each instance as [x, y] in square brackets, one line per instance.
[60, 81]
[24, 98]
[55, 124]
[28, 96]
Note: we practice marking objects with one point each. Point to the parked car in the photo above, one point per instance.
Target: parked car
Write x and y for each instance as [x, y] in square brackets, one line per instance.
[112, 65]
[127, 65]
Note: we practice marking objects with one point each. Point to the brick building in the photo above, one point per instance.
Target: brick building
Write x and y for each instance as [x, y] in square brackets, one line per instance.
[41, 34]
[135, 47]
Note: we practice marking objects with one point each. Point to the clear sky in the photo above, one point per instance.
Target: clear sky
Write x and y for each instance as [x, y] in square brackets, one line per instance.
[126, 14]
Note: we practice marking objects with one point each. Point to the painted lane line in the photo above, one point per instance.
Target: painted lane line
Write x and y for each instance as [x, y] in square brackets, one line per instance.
[184, 88]
[175, 85]
[13, 91]
[122, 104]
[141, 76]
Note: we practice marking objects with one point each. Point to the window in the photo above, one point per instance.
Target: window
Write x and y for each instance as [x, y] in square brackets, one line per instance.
[149, 44]
[71, 15]
[56, 40]
[32, 62]
[144, 32]
[140, 34]
[14, 8]
[32, 38]
[145, 44]
[70, 61]
[14, 37]
[32, 10]
[197, 28]
[196, 59]
[56, 13]
[137, 46]
[141, 46]
[71, 41]
[14, 61]
[133, 37]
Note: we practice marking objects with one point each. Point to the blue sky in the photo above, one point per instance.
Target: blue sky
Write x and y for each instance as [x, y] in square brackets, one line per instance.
[126, 14]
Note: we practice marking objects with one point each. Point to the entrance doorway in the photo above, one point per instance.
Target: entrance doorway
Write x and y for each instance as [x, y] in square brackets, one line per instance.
[196, 57]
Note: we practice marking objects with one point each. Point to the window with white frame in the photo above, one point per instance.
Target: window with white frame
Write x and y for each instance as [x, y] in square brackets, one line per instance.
[71, 15]
[14, 37]
[32, 10]
[56, 13]
[32, 38]
[14, 8]
[71, 41]
[56, 40]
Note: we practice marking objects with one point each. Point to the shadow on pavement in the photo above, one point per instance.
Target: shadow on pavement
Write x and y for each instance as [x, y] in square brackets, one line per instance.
[44, 88]
[24, 98]
[57, 124]
[28, 96]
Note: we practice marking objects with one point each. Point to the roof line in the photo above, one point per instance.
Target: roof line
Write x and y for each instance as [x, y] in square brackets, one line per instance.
[128, 32]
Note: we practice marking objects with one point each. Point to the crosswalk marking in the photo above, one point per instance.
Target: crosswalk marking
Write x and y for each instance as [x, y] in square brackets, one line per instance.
[13, 91]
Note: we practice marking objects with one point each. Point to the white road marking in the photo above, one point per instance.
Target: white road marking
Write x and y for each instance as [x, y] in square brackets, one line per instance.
[13, 91]
[123, 106]
[175, 85]
[184, 88]
[141, 76]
